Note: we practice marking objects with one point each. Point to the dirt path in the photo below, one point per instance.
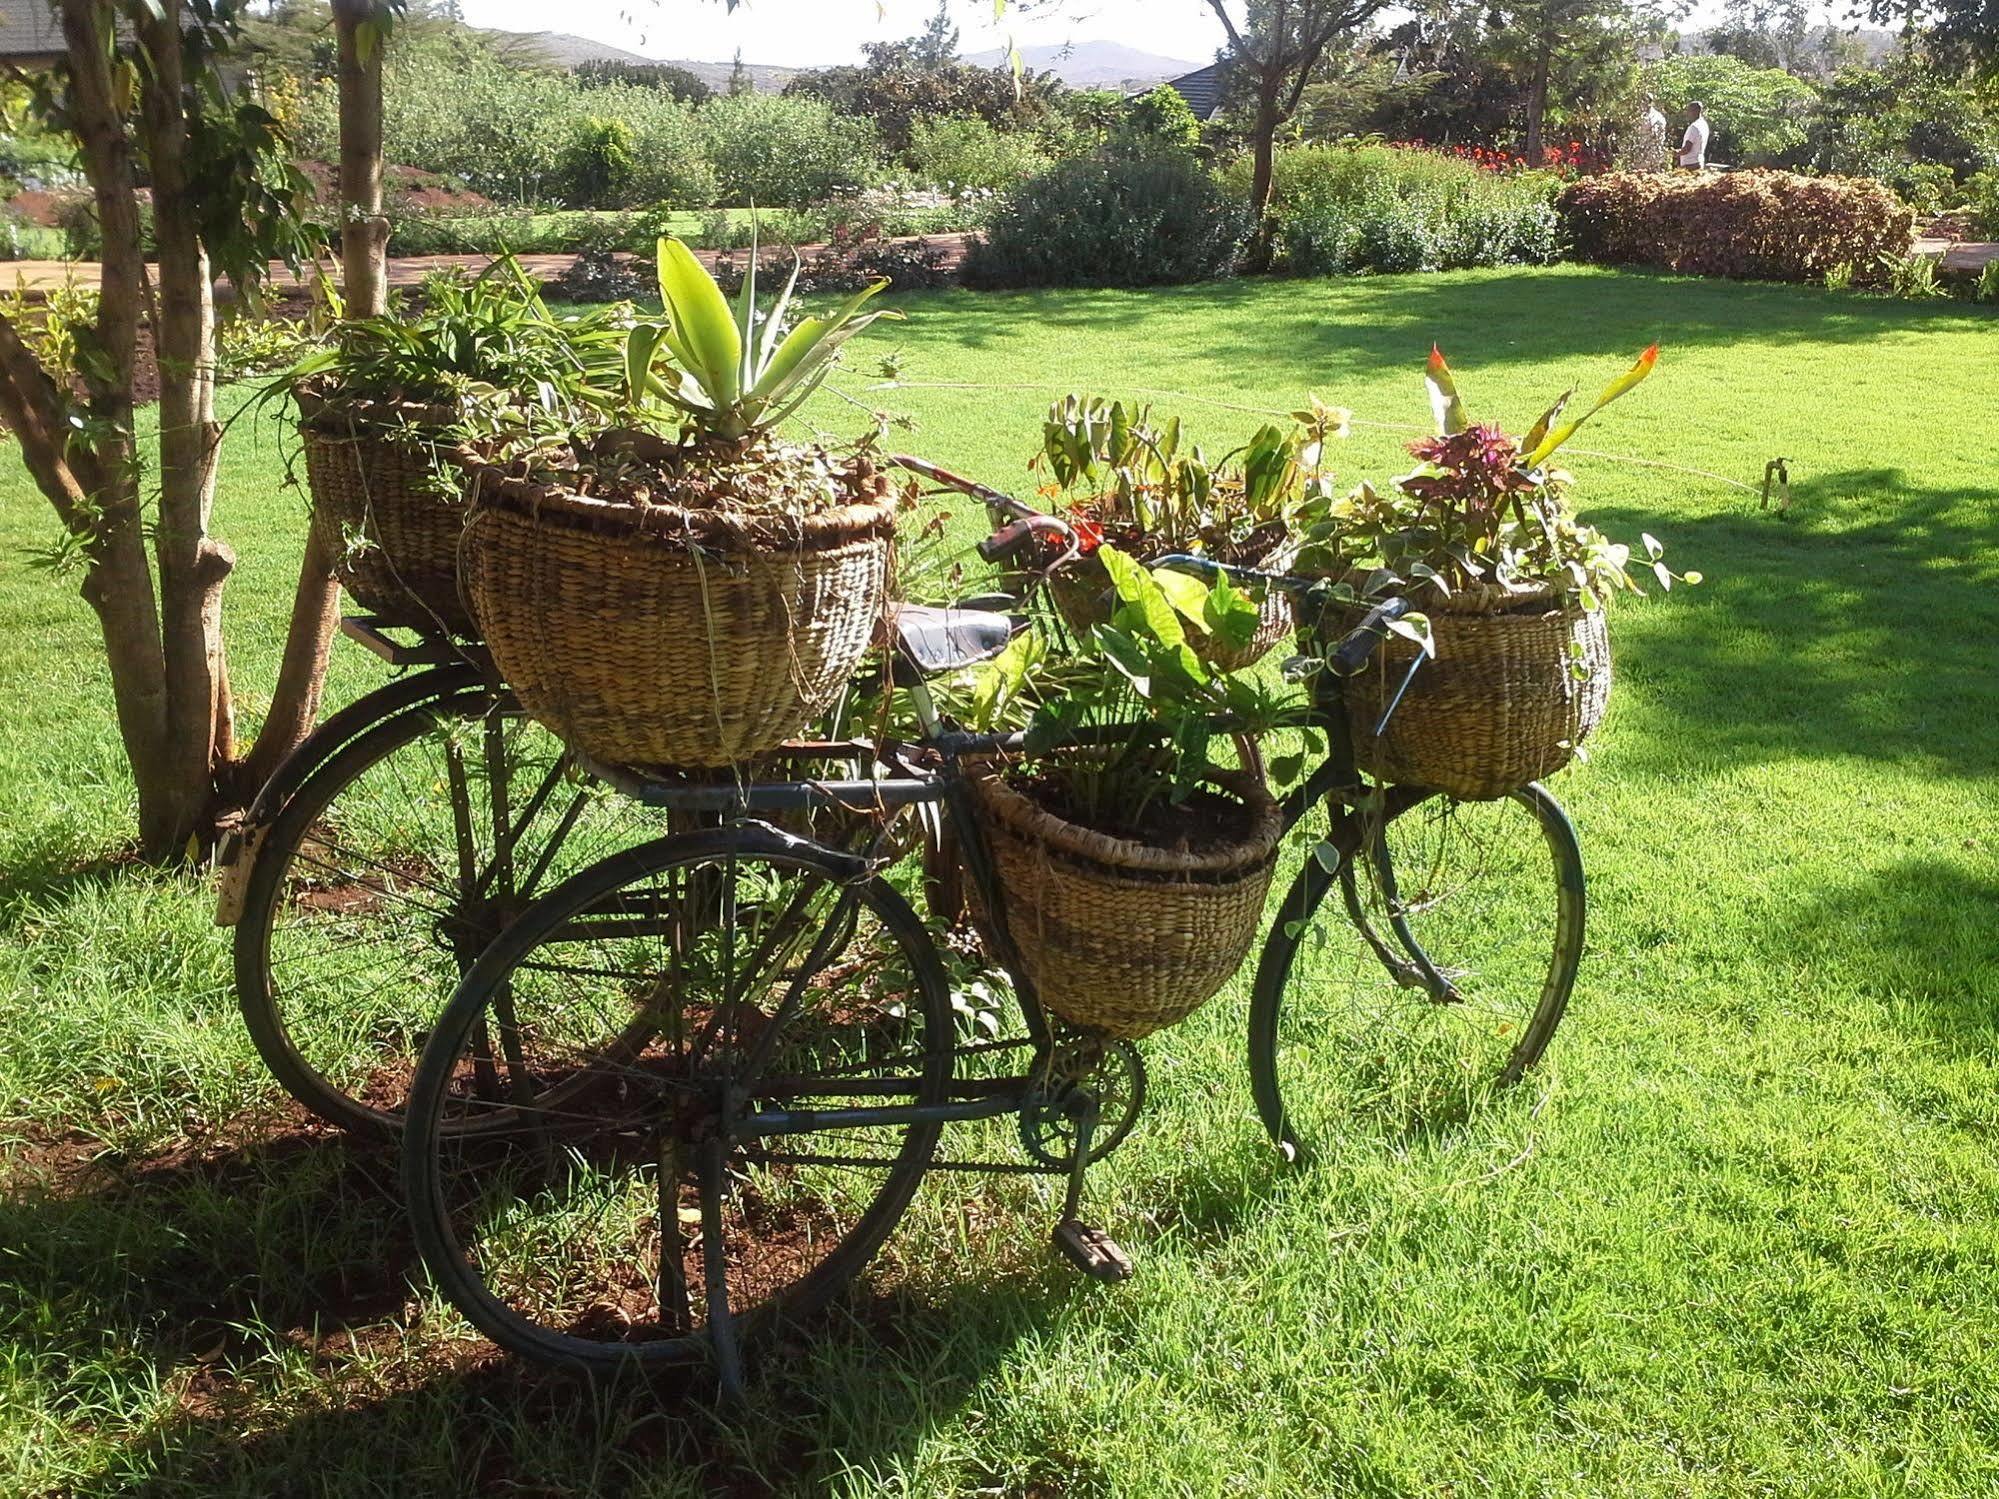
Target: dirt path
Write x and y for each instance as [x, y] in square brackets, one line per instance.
[41, 275]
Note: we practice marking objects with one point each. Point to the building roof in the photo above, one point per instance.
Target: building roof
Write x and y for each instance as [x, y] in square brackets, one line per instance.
[1202, 89]
[28, 29]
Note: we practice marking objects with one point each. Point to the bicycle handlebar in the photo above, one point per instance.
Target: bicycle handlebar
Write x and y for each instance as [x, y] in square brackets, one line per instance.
[1351, 654]
[997, 499]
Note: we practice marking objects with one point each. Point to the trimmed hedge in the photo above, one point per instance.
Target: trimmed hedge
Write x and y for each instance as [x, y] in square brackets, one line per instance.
[1775, 226]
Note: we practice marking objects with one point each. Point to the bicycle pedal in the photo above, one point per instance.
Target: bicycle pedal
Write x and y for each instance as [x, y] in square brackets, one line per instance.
[1092, 1251]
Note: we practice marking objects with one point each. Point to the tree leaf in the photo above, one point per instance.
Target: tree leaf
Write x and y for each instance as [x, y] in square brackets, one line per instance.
[702, 325]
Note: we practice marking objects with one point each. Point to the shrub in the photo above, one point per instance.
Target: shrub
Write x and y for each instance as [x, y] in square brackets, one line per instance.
[1773, 225]
[597, 164]
[1359, 208]
[21, 240]
[1165, 116]
[785, 151]
[1981, 201]
[1146, 220]
[844, 267]
[963, 151]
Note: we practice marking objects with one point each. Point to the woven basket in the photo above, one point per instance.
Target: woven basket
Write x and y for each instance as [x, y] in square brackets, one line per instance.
[1499, 706]
[1121, 937]
[651, 635]
[373, 470]
[1083, 591]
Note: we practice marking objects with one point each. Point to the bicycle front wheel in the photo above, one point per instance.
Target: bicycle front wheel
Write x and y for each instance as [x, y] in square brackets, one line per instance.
[592, 1167]
[1426, 971]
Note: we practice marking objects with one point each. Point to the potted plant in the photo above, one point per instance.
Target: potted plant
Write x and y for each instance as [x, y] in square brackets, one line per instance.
[694, 596]
[1134, 867]
[385, 410]
[1510, 649]
[1132, 480]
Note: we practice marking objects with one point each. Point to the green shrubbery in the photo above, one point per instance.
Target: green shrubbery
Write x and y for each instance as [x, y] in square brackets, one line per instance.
[1150, 219]
[528, 136]
[1772, 225]
[963, 152]
[1384, 208]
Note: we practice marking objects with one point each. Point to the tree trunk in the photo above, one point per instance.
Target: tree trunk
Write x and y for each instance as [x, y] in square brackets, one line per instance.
[364, 239]
[1537, 102]
[193, 566]
[364, 232]
[1263, 244]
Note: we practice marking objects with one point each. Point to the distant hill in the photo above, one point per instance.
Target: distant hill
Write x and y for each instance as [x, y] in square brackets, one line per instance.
[1092, 64]
[564, 51]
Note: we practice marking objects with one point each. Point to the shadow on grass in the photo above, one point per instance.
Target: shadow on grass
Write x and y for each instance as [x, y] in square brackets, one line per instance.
[267, 1288]
[1860, 627]
[1558, 315]
[1919, 936]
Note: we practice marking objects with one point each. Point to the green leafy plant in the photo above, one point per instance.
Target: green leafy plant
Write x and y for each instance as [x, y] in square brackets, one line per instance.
[1839, 277]
[734, 371]
[1129, 719]
[489, 346]
[1913, 278]
[1986, 287]
[1138, 480]
[1482, 510]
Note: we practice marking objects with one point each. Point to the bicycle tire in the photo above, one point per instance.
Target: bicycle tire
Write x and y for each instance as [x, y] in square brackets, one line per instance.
[1556, 894]
[453, 1181]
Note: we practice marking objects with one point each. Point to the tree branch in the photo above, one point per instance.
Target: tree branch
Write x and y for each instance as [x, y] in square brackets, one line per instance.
[1235, 37]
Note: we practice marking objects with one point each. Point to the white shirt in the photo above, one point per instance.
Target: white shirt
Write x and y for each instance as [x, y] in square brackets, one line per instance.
[1693, 145]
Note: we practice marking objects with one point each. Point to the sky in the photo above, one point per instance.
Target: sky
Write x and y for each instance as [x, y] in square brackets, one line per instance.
[804, 32]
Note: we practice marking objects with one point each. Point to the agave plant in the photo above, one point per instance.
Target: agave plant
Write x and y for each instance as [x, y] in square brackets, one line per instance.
[734, 371]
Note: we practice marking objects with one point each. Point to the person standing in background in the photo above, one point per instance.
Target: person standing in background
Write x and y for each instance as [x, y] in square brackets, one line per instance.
[1693, 145]
[1655, 127]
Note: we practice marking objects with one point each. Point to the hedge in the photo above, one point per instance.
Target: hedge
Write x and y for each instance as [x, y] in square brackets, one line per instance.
[1776, 226]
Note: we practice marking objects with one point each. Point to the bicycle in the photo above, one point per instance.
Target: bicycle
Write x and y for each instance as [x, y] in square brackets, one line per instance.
[689, 1092]
[382, 857]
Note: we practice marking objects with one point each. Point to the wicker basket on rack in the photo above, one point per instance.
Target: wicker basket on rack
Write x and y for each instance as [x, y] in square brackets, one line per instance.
[1520, 678]
[387, 504]
[1121, 937]
[644, 633]
[1083, 594]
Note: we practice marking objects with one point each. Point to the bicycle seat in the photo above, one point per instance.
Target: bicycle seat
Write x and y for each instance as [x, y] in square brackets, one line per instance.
[932, 642]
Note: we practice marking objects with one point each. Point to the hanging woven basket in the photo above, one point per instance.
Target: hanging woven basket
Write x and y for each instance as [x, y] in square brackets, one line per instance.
[387, 505]
[1085, 597]
[1121, 937]
[1520, 678]
[643, 633]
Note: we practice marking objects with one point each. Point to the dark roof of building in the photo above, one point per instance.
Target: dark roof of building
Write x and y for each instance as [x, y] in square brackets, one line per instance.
[1202, 89]
[28, 29]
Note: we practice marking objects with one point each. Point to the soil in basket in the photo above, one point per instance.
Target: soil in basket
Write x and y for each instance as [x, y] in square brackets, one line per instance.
[1202, 824]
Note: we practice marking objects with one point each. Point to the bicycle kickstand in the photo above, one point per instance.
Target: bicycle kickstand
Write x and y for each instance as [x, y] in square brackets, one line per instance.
[1090, 1250]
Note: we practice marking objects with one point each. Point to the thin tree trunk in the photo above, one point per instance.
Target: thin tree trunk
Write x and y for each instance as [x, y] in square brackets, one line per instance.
[364, 232]
[193, 566]
[1263, 244]
[364, 238]
[1537, 102]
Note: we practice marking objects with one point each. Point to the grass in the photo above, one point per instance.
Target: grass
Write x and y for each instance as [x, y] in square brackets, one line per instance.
[1739, 1237]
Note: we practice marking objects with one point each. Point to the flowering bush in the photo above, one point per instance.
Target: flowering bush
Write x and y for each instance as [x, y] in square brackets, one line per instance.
[1773, 225]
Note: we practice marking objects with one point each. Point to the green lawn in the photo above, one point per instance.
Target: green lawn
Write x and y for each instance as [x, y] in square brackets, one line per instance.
[1740, 1236]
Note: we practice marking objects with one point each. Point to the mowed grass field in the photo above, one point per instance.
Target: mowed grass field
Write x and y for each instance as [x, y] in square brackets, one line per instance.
[1739, 1236]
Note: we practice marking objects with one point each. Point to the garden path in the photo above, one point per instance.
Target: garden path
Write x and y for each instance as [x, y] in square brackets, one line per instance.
[43, 275]
[1966, 255]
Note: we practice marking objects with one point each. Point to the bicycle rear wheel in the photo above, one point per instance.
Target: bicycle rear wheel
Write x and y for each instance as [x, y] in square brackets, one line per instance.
[1425, 972]
[386, 873]
[588, 1180]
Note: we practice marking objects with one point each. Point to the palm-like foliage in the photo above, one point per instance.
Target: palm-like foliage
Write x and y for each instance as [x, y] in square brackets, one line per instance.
[733, 373]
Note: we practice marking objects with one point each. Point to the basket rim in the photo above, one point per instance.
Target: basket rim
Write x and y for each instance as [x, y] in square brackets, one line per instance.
[321, 399]
[1022, 815]
[495, 488]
